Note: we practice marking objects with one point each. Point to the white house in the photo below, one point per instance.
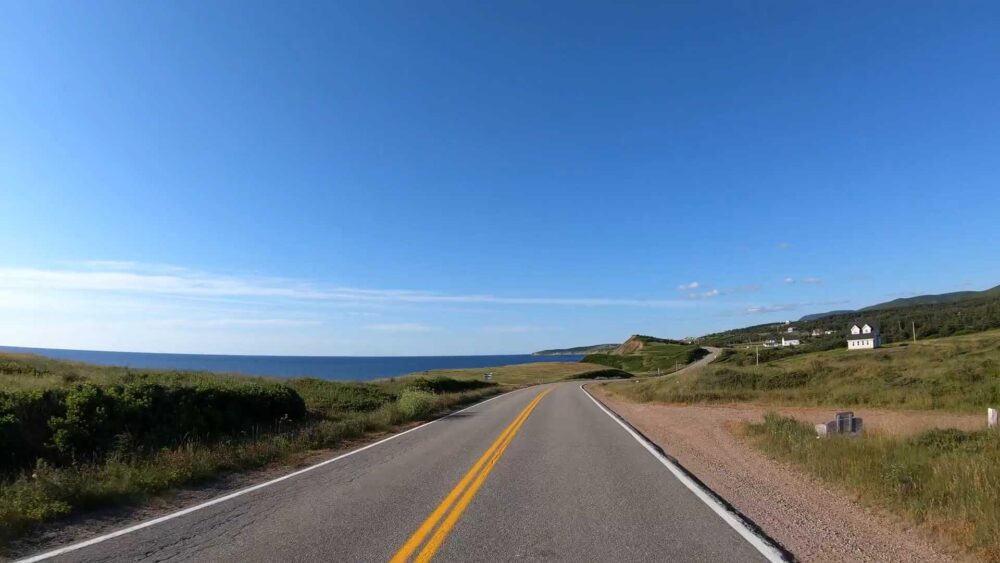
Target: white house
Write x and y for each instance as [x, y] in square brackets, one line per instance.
[789, 341]
[864, 336]
[770, 343]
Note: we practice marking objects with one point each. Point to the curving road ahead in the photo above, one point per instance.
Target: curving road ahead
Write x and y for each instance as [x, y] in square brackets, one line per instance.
[543, 473]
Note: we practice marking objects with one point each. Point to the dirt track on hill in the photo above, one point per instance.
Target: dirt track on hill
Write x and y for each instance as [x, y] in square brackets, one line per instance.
[813, 520]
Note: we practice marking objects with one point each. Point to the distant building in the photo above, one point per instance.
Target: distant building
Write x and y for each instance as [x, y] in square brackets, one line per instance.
[789, 341]
[827, 331]
[817, 332]
[864, 336]
[790, 329]
[770, 343]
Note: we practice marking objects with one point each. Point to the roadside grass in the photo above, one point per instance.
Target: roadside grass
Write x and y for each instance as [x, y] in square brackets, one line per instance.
[523, 374]
[947, 480]
[654, 355]
[960, 373]
[75, 437]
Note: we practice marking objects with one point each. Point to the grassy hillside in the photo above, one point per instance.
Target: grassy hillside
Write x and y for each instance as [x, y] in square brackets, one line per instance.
[932, 320]
[645, 354]
[529, 374]
[76, 436]
[958, 373]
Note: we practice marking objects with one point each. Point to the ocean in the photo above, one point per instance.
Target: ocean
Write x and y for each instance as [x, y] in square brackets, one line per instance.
[354, 368]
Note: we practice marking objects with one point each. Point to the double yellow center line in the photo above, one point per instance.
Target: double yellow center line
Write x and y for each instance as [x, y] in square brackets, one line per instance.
[449, 511]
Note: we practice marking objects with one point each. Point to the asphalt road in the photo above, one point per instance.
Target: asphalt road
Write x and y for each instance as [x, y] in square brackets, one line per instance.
[567, 482]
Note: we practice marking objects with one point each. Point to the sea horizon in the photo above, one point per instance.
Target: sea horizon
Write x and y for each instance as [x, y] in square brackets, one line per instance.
[342, 368]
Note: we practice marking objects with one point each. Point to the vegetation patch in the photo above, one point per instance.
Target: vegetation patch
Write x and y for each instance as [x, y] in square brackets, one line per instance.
[518, 374]
[416, 404]
[959, 373]
[645, 354]
[944, 479]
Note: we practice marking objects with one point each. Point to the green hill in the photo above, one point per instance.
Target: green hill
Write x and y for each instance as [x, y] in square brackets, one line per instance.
[935, 299]
[642, 353]
[941, 298]
[933, 316]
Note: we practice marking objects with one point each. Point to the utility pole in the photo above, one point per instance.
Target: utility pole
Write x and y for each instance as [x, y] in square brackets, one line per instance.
[757, 350]
[913, 325]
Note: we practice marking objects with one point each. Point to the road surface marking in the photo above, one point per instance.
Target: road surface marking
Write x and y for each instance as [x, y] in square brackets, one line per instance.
[241, 492]
[466, 488]
[765, 547]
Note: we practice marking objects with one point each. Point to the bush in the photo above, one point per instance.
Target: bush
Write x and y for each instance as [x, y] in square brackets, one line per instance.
[415, 404]
[87, 421]
[154, 415]
[24, 429]
[326, 396]
[444, 384]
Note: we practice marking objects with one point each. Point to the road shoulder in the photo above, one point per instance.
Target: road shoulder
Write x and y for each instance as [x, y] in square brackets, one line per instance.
[813, 520]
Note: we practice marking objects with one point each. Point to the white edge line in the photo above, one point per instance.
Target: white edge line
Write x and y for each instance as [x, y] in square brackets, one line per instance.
[241, 492]
[769, 551]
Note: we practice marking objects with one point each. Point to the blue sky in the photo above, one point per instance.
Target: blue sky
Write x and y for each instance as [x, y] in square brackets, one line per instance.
[460, 178]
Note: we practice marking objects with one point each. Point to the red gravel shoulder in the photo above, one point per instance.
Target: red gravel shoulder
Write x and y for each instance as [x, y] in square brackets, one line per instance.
[813, 520]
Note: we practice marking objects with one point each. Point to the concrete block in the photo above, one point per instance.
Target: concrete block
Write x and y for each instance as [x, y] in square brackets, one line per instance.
[991, 418]
[843, 424]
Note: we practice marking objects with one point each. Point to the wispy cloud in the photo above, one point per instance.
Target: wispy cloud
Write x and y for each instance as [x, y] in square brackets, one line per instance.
[124, 277]
[771, 308]
[517, 329]
[791, 306]
[705, 294]
[688, 286]
[232, 322]
[401, 327]
[808, 280]
[784, 245]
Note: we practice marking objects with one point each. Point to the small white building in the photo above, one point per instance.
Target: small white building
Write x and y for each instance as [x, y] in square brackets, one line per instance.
[817, 332]
[864, 335]
[789, 341]
[770, 343]
[790, 330]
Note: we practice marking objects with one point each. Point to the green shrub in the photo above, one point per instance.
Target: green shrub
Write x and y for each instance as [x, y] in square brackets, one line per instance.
[88, 421]
[444, 384]
[415, 404]
[153, 415]
[330, 397]
[24, 429]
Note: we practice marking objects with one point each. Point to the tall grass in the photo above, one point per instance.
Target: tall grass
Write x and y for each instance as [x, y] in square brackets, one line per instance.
[947, 480]
[959, 373]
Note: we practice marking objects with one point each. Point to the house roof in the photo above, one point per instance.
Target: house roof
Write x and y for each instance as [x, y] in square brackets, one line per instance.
[861, 323]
